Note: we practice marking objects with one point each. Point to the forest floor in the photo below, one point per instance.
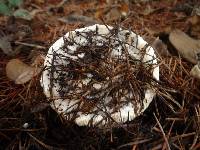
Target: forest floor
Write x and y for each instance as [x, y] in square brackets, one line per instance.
[171, 121]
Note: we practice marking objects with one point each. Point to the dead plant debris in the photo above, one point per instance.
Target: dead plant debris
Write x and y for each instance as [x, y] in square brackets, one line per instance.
[171, 122]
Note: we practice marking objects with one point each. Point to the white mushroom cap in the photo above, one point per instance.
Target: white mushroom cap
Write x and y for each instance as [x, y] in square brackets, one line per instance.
[58, 56]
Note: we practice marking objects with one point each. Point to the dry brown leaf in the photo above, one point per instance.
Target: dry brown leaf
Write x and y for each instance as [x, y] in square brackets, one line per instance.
[20, 72]
[27, 75]
[5, 45]
[38, 60]
[157, 31]
[124, 8]
[195, 25]
[73, 18]
[160, 47]
[185, 45]
[113, 14]
[148, 10]
[194, 20]
[196, 10]
[195, 72]
[39, 1]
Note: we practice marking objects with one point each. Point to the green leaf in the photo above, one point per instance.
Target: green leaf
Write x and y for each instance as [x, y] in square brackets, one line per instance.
[15, 3]
[4, 9]
[22, 13]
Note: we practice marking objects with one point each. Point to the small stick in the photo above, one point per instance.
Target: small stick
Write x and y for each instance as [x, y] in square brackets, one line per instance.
[30, 45]
[135, 143]
[168, 135]
[163, 133]
[41, 143]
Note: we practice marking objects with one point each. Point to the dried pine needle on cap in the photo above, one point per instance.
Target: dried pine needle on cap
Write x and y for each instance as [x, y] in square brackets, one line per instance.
[100, 74]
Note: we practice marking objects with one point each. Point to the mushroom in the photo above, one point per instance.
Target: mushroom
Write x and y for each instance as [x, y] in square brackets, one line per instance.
[100, 75]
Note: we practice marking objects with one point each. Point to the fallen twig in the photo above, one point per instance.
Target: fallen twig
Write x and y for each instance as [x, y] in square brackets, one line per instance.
[30, 45]
[163, 133]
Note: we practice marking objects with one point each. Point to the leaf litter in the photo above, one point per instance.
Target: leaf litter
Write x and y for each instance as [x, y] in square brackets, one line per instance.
[185, 45]
[20, 73]
[172, 120]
